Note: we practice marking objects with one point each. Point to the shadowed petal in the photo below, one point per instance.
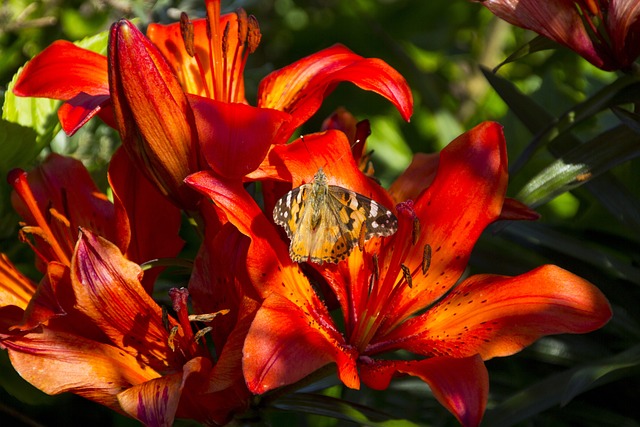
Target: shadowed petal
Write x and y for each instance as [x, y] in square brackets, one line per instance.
[57, 362]
[15, 288]
[154, 403]
[153, 223]
[460, 385]
[285, 344]
[234, 138]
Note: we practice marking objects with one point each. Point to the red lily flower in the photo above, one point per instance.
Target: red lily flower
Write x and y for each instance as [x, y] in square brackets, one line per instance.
[384, 290]
[604, 32]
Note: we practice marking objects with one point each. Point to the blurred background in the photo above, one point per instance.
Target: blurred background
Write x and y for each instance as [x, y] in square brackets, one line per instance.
[440, 47]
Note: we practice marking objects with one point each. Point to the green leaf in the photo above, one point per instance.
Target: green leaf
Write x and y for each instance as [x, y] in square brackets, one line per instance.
[613, 195]
[542, 236]
[558, 389]
[632, 120]
[538, 44]
[581, 164]
[339, 409]
[610, 370]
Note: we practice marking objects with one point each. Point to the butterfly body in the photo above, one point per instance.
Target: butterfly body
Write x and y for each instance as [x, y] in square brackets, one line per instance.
[325, 222]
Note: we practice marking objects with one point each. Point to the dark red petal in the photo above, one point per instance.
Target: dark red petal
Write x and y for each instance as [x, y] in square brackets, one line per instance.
[234, 138]
[285, 344]
[499, 316]
[148, 223]
[515, 210]
[460, 385]
[558, 20]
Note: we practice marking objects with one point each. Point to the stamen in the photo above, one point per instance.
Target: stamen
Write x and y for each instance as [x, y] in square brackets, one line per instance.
[165, 318]
[254, 35]
[17, 178]
[186, 30]
[426, 259]
[172, 337]
[415, 233]
[201, 333]
[225, 62]
[407, 275]
[208, 317]
[361, 237]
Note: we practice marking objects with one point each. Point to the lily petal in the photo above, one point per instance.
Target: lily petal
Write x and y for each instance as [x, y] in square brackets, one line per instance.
[285, 344]
[416, 178]
[15, 288]
[57, 362]
[465, 197]
[152, 222]
[108, 291]
[499, 316]
[235, 138]
[460, 385]
[154, 403]
[300, 88]
[70, 73]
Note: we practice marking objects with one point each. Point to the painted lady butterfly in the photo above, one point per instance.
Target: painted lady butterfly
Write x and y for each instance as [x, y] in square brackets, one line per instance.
[325, 222]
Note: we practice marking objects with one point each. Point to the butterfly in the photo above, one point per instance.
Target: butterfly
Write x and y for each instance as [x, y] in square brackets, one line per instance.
[325, 222]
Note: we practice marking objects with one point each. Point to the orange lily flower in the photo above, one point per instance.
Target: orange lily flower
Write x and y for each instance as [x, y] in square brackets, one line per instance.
[186, 111]
[400, 292]
[604, 32]
[91, 320]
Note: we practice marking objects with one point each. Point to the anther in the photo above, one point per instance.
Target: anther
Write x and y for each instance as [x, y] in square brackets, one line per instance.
[186, 30]
[415, 233]
[407, 275]
[254, 36]
[426, 259]
[201, 333]
[172, 337]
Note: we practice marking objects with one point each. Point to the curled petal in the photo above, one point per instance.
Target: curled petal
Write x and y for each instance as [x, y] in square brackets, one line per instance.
[300, 88]
[460, 385]
[70, 73]
[499, 316]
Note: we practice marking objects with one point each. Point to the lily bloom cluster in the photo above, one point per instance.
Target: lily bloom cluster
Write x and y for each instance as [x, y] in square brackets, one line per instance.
[251, 321]
[604, 32]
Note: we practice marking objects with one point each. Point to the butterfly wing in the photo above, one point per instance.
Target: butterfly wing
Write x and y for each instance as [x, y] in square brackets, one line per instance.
[331, 234]
[358, 211]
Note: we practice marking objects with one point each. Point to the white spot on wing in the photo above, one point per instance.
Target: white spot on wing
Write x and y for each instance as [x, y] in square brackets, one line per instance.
[374, 210]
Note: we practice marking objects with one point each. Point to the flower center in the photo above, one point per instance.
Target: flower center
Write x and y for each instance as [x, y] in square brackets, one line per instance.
[230, 40]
